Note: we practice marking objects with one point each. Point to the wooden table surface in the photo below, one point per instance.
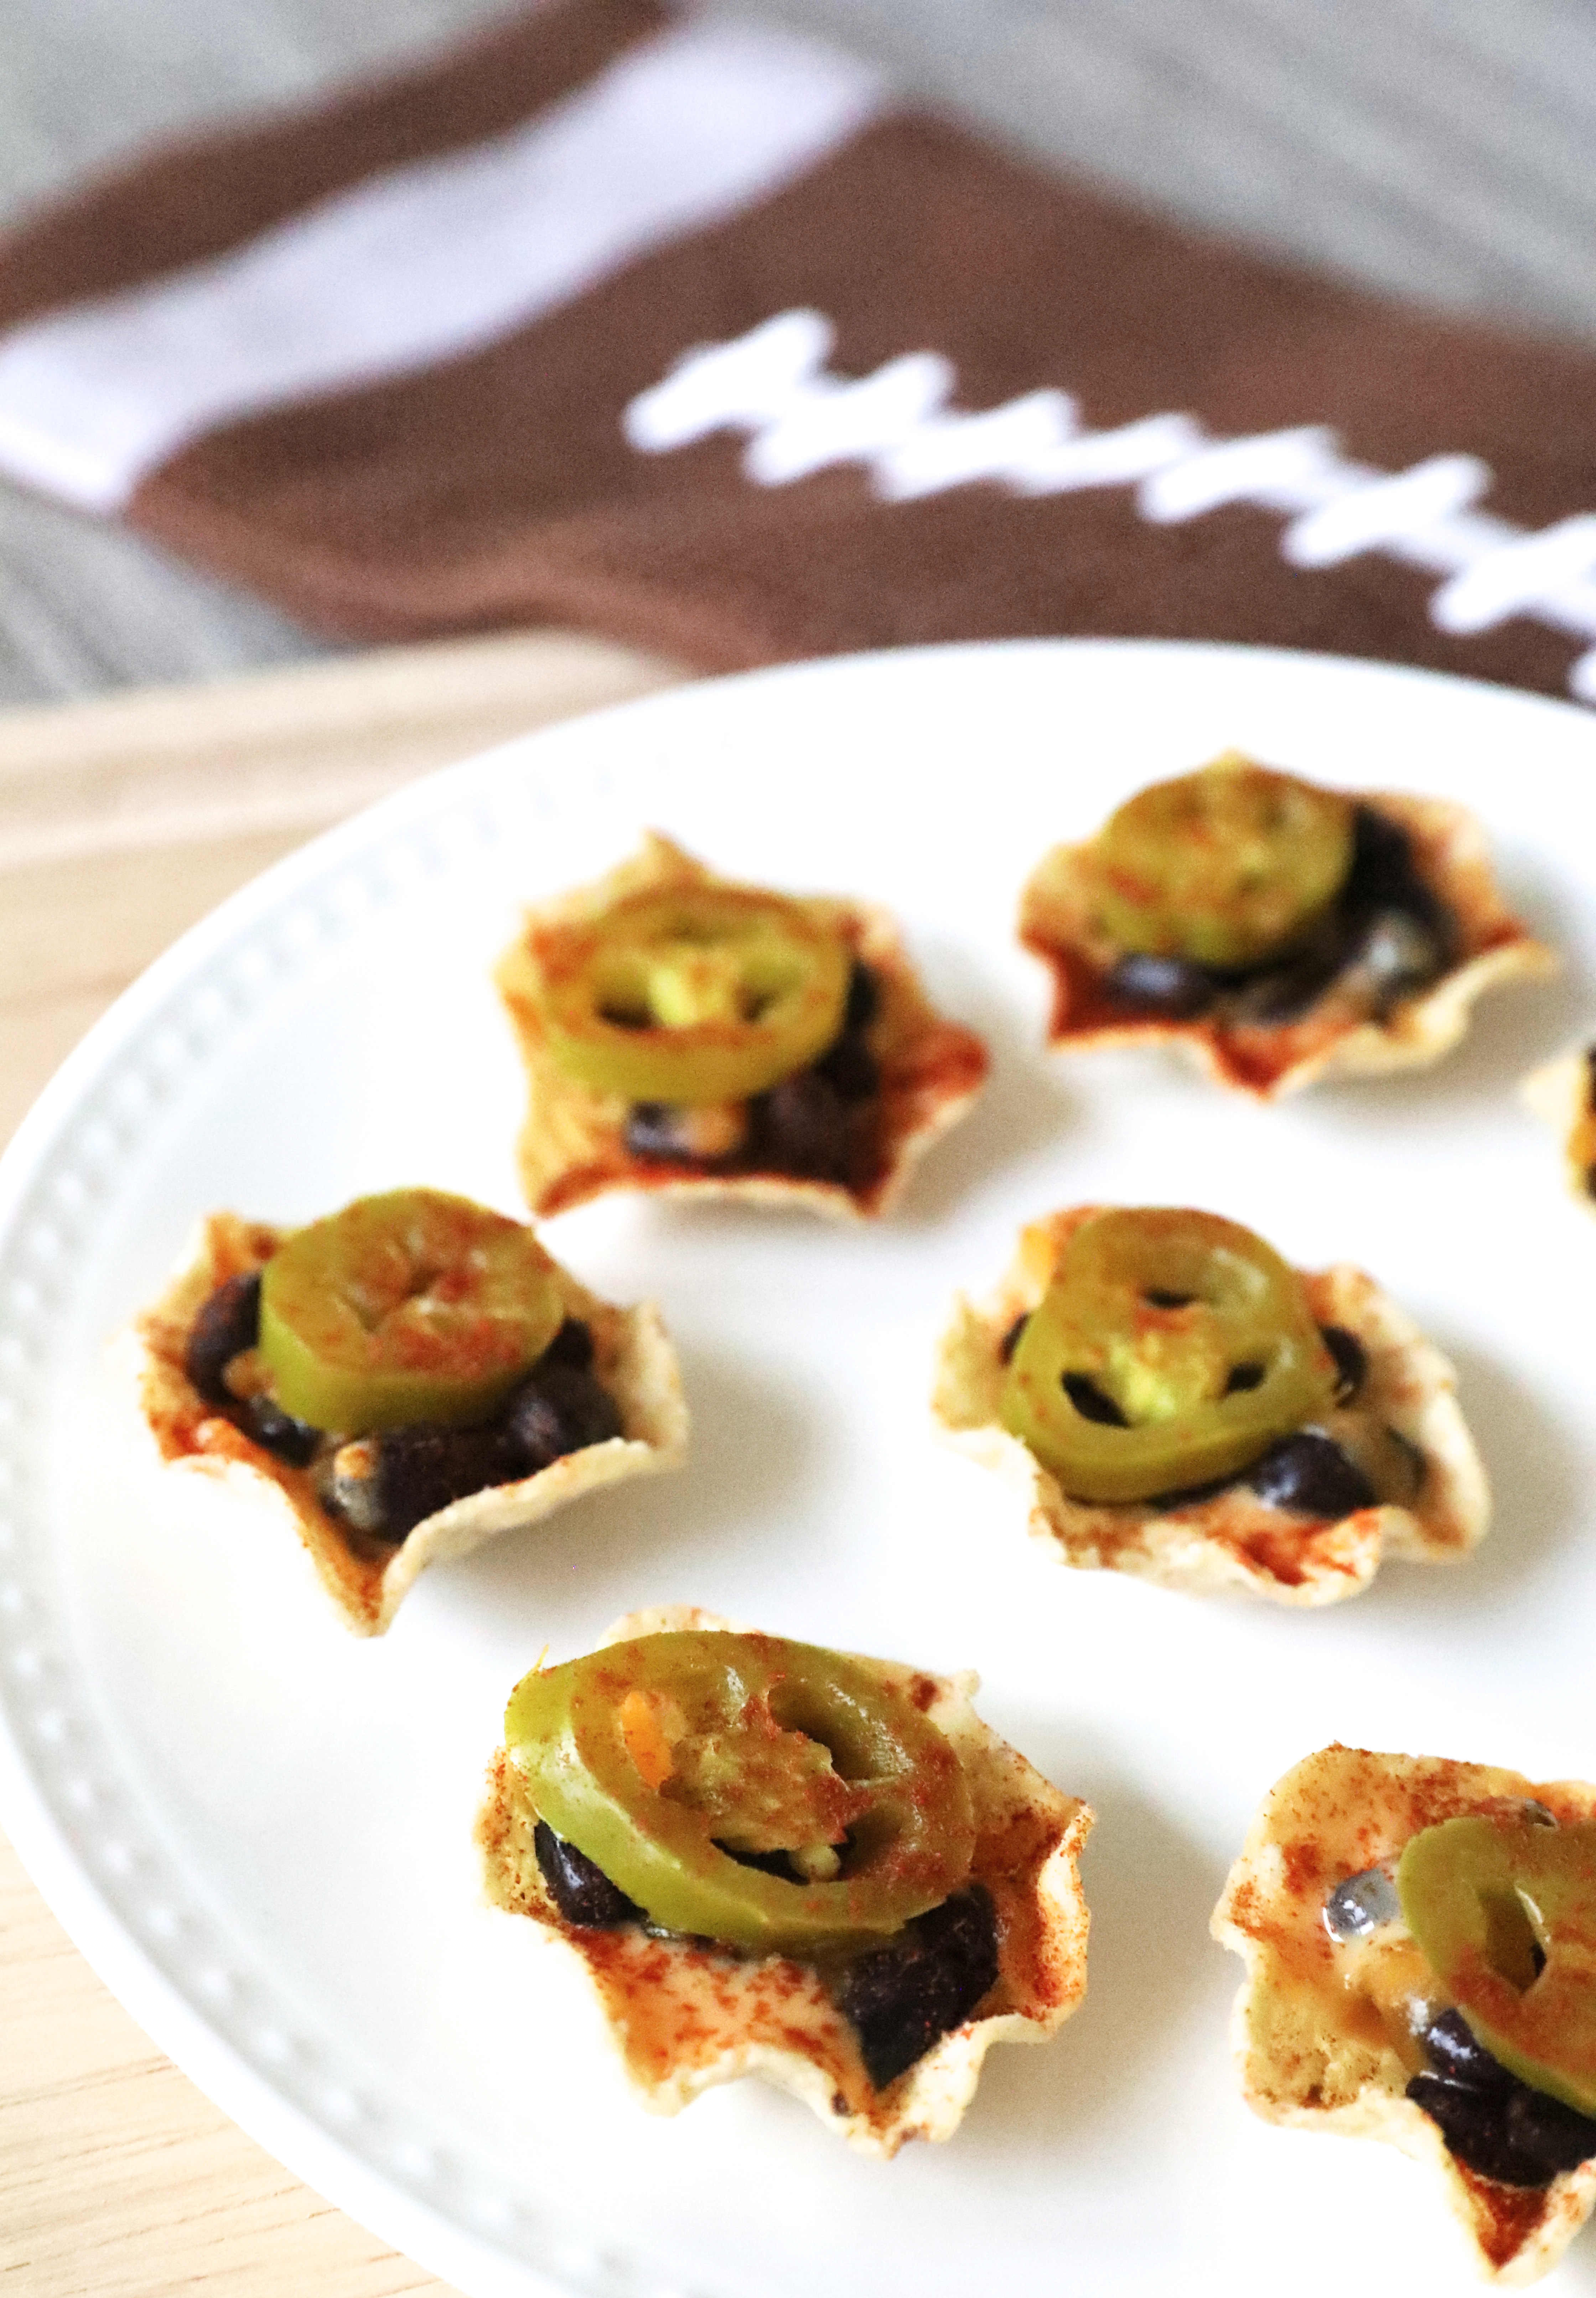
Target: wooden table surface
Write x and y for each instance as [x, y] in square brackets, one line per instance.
[122, 822]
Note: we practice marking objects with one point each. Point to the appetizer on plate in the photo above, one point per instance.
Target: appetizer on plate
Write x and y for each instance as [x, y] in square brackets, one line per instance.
[1564, 1093]
[400, 1381]
[775, 1859]
[1173, 1401]
[1419, 1936]
[1274, 929]
[682, 1033]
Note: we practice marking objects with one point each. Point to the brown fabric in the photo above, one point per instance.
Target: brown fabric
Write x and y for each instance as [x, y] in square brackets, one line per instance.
[200, 197]
[498, 489]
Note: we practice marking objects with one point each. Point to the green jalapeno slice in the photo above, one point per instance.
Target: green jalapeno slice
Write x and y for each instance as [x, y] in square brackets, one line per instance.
[1171, 1348]
[1228, 866]
[1504, 1912]
[407, 1307]
[661, 1758]
[691, 993]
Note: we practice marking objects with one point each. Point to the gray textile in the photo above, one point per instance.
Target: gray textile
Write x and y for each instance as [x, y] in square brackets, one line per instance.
[1438, 148]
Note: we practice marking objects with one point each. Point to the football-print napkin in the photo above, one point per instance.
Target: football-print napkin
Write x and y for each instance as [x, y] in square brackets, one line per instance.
[683, 330]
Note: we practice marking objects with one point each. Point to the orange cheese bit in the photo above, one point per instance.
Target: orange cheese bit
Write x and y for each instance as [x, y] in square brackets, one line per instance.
[645, 1740]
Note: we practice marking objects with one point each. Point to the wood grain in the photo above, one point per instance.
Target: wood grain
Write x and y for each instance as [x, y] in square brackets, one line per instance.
[122, 822]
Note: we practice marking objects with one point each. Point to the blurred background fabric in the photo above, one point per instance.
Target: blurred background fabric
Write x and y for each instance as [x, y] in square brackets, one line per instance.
[1437, 148]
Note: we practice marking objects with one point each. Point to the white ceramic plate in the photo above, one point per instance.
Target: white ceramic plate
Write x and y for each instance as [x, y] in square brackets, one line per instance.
[259, 1828]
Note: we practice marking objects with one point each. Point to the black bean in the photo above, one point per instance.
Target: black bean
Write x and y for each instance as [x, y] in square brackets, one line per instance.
[900, 1997]
[669, 1133]
[228, 1324]
[650, 1132]
[1455, 2051]
[1177, 988]
[572, 1345]
[1310, 1475]
[383, 1486]
[1091, 1401]
[803, 1126]
[1382, 875]
[863, 998]
[1383, 880]
[1387, 935]
[1361, 1904]
[1285, 991]
[278, 1432]
[1497, 2125]
[559, 1409]
[1351, 1361]
[849, 1065]
[581, 1891]
[1011, 1339]
[1395, 955]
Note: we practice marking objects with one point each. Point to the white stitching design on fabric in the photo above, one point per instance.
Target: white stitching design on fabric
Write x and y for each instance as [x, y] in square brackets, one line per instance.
[772, 384]
[427, 261]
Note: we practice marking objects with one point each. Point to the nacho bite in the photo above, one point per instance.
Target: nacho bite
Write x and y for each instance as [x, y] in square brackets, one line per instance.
[1417, 1934]
[685, 1035]
[778, 1860]
[1563, 1092]
[1171, 1400]
[400, 1382]
[1274, 930]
